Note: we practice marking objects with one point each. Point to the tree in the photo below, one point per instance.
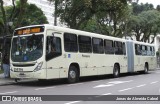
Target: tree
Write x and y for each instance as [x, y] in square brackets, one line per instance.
[144, 21]
[3, 21]
[150, 22]
[31, 15]
[56, 5]
[78, 14]
[158, 7]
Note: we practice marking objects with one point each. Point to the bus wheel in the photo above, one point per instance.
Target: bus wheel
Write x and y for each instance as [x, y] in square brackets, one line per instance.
[73, 75]
[16, 80]
[116, 71]
[145, 69]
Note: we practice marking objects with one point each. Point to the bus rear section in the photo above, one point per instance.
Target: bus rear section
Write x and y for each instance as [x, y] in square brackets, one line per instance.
[141, 57]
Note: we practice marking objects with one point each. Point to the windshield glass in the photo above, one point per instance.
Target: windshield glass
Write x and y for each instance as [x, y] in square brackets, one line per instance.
[27, 48]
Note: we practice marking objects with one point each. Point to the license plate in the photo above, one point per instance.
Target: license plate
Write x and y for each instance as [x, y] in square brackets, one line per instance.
[18, 69]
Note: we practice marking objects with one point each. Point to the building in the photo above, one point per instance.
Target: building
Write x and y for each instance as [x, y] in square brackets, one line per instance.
[45, 5]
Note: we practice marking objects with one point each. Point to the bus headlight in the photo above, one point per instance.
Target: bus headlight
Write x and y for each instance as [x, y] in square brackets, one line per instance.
[38, 67]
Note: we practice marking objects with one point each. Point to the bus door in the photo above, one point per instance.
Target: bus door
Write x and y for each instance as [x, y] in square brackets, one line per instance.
[53, 56]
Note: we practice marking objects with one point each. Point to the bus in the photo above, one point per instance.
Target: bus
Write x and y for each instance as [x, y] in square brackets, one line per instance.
[50, 52]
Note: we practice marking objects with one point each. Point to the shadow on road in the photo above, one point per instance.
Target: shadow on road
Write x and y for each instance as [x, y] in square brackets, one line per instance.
[57, 82]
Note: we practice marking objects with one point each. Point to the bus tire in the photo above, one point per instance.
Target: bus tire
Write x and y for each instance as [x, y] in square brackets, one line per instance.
[116, 71]
[73, 75]
[145, 69]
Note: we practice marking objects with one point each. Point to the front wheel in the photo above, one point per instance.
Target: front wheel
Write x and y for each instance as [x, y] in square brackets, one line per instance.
[116, 71]
[73, 75]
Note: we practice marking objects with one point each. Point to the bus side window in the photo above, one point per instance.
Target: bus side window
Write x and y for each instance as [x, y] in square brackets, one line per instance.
[124, 48]
[108, 46]
[70, 42]
[138, 49]
[153, 51]
[118, 48]
[53, 47]
[97, 44]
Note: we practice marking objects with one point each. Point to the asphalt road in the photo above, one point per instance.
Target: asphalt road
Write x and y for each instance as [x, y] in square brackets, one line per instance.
[98, 87]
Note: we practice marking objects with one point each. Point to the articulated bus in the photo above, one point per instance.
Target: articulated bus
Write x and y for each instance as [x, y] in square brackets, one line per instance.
[51, 52]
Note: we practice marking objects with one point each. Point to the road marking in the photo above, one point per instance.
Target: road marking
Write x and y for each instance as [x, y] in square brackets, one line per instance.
[107, 94]
[141, 85]
[9, 92]
[154, 82]
[103, 86]
[44, 88]
[75, 84]
[73, 102]
[125, 89]
[119, 82]
[103, 95]
[111, 83]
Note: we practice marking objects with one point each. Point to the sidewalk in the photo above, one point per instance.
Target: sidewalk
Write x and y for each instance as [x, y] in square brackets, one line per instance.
[4, 81]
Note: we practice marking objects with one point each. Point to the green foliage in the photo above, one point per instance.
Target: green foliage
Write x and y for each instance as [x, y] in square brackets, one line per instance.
[144, 20]
[32, 16]
[110, 17]
[23, 15]
[93, 15]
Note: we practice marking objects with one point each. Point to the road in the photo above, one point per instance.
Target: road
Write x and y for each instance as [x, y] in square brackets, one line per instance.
[127, 84]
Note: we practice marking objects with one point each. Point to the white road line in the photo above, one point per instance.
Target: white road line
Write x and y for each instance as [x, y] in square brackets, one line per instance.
[125, 89]
[103, 86]
[104, 94]
[112, 83]
[119, 82]
[154, 82]
[72, 102]
[141, 85]
[8, 92]
[107, 94]
[75, 84]
[44, 88]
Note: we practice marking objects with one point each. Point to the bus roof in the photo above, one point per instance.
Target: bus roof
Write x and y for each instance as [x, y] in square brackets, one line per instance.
[79, 32]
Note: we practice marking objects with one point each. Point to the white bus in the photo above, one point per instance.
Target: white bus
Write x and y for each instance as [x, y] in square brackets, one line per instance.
[50, 52]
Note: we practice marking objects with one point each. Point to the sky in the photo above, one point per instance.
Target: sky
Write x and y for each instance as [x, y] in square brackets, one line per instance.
[154, 2]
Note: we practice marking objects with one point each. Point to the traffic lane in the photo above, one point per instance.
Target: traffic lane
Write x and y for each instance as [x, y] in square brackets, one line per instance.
[89, 88]
[80, 86]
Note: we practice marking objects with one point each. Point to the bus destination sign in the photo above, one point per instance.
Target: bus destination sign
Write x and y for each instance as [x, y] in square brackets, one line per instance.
[29, 30]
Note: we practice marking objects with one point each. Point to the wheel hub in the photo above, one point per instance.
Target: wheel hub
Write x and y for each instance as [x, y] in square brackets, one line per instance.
[72, 74]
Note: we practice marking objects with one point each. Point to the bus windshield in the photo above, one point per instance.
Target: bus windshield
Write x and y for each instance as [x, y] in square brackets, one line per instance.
[27, 48]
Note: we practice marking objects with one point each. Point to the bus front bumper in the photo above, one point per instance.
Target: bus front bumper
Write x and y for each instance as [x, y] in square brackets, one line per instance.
[28, 75]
